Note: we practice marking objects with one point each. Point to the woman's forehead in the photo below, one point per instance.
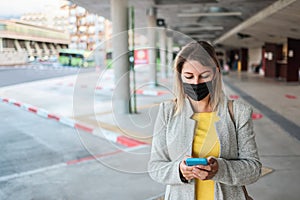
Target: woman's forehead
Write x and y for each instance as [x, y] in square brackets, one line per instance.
[195, 67]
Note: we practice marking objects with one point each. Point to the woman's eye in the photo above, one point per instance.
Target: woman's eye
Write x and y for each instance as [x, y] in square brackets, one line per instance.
[205, 76]
[189, 77]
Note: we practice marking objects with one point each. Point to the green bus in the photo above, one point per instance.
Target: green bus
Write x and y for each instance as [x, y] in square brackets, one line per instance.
[76, 58]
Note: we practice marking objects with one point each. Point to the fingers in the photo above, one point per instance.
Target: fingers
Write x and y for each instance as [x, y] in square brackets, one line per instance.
[208, 171]
[214, 166]
[202, 172]
[204, 167]
[186, 170]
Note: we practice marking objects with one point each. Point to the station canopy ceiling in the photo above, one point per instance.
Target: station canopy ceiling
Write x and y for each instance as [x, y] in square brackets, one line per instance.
[228, 23]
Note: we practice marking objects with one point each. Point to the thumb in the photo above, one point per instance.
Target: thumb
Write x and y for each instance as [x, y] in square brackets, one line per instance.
[185, 157]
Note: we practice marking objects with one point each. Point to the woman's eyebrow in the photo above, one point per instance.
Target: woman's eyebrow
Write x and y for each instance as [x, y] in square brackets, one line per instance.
[205, 71]
[199, 73]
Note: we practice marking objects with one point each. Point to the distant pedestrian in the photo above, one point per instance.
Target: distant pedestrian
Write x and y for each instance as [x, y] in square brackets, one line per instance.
[235, 62]
[200, 122]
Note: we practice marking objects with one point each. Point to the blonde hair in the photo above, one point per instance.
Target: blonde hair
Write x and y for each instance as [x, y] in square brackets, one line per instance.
[205, 54]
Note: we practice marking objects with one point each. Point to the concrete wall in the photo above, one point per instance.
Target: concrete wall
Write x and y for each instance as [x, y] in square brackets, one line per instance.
[12, 57]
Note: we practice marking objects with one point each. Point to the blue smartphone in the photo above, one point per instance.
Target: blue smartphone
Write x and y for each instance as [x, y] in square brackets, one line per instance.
[196, 161]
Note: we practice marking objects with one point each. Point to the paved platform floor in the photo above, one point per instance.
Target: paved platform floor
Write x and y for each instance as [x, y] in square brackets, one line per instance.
[277, 132]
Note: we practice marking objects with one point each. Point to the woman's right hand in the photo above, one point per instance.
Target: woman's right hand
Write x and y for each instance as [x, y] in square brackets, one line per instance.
[186, 171]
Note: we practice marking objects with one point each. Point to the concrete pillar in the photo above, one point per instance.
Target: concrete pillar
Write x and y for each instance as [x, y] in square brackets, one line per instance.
[58, 47]
[28, 48]
[1, 44]
[38, 49]
[163, 52]
[53, 50]
[272, 53]
[120, 62]
[17, 45]
[170, 53]
[244, 59]
[46, 50]
[151, 15]
[293, 58]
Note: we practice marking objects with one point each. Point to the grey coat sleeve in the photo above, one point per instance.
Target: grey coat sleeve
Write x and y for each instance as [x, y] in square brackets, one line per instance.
[160, 167]
[246, 169]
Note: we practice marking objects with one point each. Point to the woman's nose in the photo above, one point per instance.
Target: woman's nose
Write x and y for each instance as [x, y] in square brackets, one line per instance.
[196, 81]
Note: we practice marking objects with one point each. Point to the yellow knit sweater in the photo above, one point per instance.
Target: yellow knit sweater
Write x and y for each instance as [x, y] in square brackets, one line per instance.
[205, 144]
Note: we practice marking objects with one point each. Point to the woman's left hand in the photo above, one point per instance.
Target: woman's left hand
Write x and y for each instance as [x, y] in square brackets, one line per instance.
[206, 172]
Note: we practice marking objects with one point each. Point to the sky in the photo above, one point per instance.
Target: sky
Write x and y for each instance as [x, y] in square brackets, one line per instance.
[15, 8]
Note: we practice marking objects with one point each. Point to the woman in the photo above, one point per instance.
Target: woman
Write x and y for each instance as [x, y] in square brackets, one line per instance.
[198, 124]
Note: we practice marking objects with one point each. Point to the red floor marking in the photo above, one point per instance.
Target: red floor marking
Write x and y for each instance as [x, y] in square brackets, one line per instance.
[85, 128]
[5, 100]
[128, 141]
[139, 91]
[52, 116]
[34, 110]
[72, 162]
[256, 116]
[17, 104]
[98, 88]
[290, 96]
[162, 92]
[234, 96]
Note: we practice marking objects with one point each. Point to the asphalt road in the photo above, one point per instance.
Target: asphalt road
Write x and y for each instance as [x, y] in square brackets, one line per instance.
[43, 159]
[20, 74]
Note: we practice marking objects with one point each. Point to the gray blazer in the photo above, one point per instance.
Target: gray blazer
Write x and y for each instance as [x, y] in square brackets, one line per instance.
[173, 137]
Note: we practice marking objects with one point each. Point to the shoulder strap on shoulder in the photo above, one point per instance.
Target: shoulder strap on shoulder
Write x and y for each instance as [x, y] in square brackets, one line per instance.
[230, 108]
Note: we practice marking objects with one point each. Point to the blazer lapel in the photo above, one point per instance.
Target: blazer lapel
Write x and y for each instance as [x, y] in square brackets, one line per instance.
[222, 127]
[189, 124]
[211, 138]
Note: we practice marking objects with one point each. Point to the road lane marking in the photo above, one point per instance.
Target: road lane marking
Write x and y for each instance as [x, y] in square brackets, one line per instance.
[68, 163]
[157, 197]
[31, 172]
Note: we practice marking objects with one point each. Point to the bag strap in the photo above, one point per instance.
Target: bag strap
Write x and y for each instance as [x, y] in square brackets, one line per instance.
[246, 193]
[230, 108]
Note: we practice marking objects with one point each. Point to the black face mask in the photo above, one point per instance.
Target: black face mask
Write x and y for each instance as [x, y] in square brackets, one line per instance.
[197, 91]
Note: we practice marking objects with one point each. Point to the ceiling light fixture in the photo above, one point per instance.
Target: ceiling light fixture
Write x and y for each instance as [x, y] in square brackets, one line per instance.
[211, 14]
[203, 36]
[202, 28]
